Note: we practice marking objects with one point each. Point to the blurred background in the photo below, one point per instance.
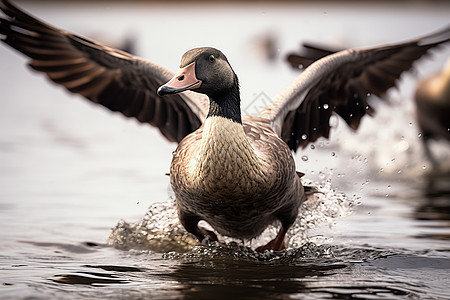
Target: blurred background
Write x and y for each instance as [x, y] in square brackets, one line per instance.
[69, 170]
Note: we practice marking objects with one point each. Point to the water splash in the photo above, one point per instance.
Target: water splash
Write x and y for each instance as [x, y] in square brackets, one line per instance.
[397, 151]
[322, 209]
[308, 254]
[235, 251]
[160, 231]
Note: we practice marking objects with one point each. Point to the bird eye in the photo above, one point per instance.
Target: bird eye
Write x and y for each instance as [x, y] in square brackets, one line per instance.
[212, 58]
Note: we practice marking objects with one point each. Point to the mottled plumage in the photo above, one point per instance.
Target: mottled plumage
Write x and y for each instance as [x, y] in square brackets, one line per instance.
[221, 173]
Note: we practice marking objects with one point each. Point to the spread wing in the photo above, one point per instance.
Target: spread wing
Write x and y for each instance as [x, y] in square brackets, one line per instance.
[308, 54]
[110, 77]
[341, 83]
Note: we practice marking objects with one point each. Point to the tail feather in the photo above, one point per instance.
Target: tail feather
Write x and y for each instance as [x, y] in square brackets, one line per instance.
[310, 190]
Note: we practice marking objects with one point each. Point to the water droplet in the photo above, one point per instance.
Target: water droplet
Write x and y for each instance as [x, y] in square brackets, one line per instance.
[368, 94]
[304, 136]
[333, 154]
[389, 186]
[325, 106]
[369, 213]
[424, 167]
[334, 120]
[381, 170]
[312, 146]
[419, 135]
[392, 160]
[367, 107]
[410, 123]
[305, 158]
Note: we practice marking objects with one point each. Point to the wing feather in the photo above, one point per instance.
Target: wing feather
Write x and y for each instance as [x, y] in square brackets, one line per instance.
[115, 79]
[340, 83]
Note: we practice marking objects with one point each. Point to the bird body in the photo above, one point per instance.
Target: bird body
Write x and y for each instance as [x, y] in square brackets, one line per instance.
[243, 170]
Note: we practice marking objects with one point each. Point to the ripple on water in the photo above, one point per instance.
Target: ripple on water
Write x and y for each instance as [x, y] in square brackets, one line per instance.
[224, 270]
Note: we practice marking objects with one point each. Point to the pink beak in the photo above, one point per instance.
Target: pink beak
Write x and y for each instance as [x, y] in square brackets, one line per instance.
[183, 80]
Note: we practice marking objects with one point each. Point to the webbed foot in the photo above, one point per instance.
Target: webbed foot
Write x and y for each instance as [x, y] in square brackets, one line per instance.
[277, 244]
[206, 237]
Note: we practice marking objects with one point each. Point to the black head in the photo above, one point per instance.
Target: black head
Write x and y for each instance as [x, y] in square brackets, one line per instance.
[204, 70]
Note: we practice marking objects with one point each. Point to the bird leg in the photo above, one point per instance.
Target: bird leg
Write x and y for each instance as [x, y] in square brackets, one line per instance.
[205, 236]
[190, 223]
[277, 244]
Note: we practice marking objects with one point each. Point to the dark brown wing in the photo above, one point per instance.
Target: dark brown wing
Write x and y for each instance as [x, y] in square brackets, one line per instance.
[341, 83]
[110, 77]
[308, 54]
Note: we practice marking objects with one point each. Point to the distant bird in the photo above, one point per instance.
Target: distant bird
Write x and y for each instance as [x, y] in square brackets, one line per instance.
[432, 100]
[265, 45]
[432, 97]
[308, 54]
[235, 172]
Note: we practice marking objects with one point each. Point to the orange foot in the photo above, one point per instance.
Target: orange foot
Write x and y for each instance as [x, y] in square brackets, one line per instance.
[206, 237]
[272, 245]
[277, 244]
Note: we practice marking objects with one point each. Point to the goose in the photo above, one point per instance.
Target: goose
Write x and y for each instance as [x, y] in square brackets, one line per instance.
[235, 172]
[431, 97]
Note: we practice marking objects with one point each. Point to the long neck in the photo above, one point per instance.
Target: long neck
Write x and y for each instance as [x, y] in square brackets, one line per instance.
[225, 148]
[226, 104]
